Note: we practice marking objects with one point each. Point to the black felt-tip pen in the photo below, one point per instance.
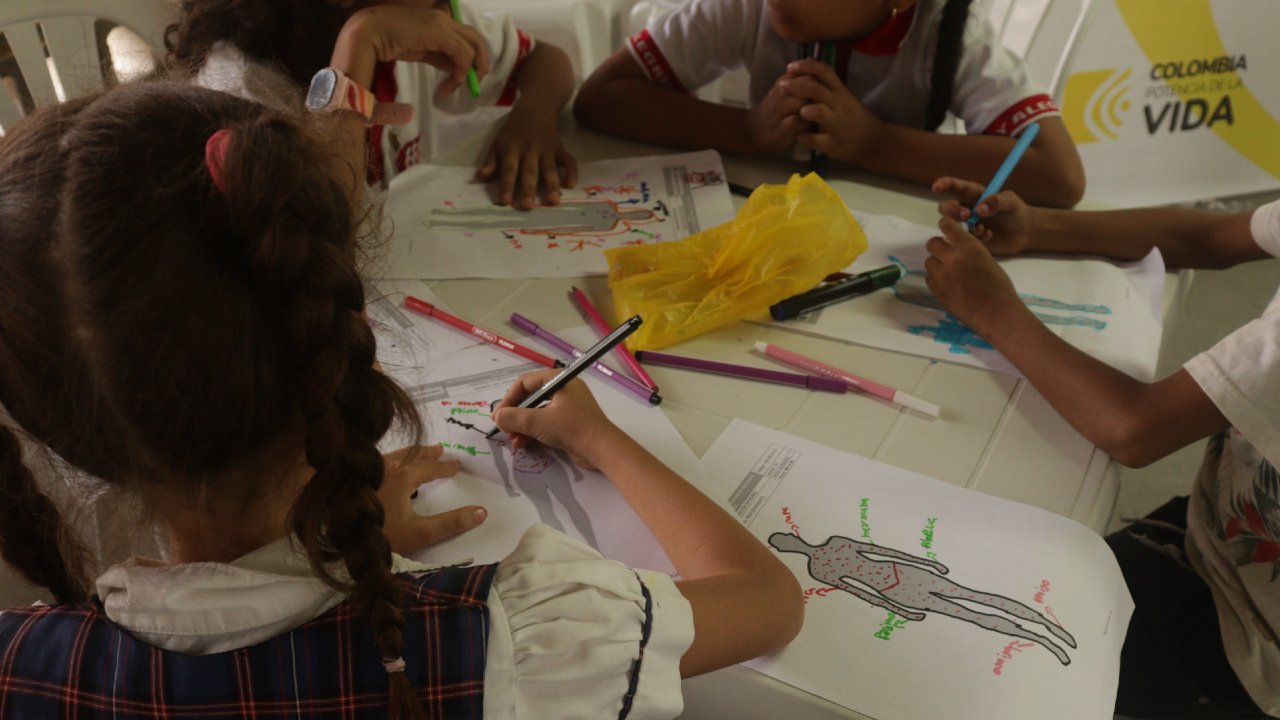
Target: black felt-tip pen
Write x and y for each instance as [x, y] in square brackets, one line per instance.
[825, 295]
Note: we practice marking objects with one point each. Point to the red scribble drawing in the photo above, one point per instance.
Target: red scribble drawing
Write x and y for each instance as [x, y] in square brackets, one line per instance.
[579, 218]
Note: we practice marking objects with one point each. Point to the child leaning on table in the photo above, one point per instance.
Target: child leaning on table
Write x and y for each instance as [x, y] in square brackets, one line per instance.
[229, 40]
[181, 316]
[899, 67]
[1204, 571]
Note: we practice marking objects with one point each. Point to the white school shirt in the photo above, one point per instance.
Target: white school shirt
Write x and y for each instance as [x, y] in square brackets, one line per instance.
[888, 70]
[564, 628]
[439, 122]
[1233, 522]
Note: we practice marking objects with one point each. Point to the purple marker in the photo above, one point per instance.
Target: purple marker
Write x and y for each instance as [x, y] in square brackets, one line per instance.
[743, 371]
[647, 394]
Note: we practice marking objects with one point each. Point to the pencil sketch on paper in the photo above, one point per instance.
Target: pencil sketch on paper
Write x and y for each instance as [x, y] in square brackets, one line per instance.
[912, 586]
[540, 473]
[446, 226]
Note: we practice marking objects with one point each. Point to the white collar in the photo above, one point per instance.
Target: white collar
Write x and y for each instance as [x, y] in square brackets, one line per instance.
[206, 607]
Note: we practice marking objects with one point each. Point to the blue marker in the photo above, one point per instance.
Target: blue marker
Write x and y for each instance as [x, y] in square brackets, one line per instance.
[997, 182]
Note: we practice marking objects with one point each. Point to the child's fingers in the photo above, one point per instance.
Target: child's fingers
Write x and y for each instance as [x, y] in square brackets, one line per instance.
[518, 421]
[528, 188]
[816, 69]
[566, 160]
[550, 179]
[966, 191]
[423, 532]
[952, 208]
[819, 113]
[523, 386]
[485, 172]
[508, 169]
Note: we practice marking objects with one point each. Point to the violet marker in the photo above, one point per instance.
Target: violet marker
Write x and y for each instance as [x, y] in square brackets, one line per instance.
[743, 371]
[546, 336]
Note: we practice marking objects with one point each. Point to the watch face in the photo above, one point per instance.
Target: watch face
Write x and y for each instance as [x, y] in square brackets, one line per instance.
[322, 86]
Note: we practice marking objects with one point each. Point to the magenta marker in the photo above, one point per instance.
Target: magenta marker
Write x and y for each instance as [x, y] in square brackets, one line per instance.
[743, 371]
[648, 395]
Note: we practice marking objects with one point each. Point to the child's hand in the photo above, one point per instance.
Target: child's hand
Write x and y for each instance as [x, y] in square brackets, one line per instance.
[406, 470]
[845, 125]
[418, 33]
[1005, 220]
[773, 124]
[966, 279]
[528, 151]
[572, 421]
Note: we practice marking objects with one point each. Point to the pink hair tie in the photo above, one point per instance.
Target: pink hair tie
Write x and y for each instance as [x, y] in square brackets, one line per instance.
[393, 666]
[215, 152]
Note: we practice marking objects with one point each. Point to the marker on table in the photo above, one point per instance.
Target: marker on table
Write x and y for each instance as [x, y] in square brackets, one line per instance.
[857, 383]
[562, 378]
[649, 395]
[596, 319]
[834, 292]
[473, 82]
[997, 182]
[740, 190]
[744, 371]
[432, 311]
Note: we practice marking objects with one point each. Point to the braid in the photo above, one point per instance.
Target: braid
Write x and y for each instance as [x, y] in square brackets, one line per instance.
[946, 58]
[345, 403]
[33, 538]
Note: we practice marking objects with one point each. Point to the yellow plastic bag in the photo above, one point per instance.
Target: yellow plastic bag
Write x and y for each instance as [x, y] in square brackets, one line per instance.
[784, 240]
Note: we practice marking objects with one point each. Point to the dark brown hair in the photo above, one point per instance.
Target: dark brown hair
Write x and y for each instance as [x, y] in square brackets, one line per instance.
[155, 330]
[296, 35]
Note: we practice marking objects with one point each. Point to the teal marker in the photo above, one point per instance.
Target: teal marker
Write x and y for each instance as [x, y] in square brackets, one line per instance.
[473, 82]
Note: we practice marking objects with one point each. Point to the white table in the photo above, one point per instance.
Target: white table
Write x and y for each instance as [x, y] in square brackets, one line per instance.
[997, 434]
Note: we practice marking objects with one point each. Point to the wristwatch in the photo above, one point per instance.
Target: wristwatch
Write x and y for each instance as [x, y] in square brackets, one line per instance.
[331, 90]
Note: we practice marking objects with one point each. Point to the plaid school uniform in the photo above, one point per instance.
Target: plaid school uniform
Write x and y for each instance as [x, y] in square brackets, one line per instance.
[73, 662]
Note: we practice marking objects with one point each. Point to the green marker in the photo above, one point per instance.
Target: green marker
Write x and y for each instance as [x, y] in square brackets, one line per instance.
[473, 82]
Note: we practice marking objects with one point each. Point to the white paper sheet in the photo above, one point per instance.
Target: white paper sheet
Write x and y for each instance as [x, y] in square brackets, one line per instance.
[444, 225]
[1022, 613]
[1110, 311]
[453, 380]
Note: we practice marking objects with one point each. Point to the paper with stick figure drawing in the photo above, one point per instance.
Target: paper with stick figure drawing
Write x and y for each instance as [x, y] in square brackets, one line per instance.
[1109, 310]
[925, 600]
[454, 381]
[443, 225]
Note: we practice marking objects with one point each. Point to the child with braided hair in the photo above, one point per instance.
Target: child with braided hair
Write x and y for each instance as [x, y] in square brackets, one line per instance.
[898, 67]
[181, 315]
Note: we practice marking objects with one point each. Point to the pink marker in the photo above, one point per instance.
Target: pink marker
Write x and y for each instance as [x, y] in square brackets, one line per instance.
[857, 383]
[597, 320]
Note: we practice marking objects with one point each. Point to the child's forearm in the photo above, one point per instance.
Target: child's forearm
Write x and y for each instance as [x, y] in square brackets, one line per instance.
[545, 82]
[638, 109]
[1045, 176]
[1132, 421]
[1187, 238]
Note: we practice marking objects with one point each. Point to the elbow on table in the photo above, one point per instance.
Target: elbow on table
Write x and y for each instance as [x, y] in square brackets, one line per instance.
[1131, 443]
[590, 107]
[788, 615]
[1065, 187]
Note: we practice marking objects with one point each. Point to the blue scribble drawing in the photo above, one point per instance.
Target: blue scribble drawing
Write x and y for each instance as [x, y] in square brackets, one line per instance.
[949, 331]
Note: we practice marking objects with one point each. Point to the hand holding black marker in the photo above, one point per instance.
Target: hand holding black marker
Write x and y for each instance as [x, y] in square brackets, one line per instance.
[834, 292]
[584, 361]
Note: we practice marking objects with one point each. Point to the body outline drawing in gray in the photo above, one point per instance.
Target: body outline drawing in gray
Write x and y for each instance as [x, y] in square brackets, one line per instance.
[542, 475]
[912, 586]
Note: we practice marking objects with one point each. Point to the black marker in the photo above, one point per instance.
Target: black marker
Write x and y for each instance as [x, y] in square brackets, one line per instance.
[825, 295]
[583, 361]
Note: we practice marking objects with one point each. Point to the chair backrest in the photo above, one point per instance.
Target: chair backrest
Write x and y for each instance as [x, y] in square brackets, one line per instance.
[51, 50]
[1044, 33]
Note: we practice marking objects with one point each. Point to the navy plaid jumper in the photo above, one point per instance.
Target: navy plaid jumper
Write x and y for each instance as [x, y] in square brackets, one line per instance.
[72, 662]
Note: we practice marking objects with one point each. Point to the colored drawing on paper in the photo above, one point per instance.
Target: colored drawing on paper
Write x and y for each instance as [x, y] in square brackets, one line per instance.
[446, 226]
[910, 587]
[959, 339]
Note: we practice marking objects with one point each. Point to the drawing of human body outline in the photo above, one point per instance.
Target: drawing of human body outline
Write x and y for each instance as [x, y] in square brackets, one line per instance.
[540, 475]
[574, 218]
[910, 590]
[958, 337]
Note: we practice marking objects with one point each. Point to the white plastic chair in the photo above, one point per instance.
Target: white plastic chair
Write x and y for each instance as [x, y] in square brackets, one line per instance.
[54, 49]
[1044, 33]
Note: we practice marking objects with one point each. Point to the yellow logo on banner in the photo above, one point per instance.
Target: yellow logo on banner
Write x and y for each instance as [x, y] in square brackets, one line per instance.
[1092, 102]
[1171, 33]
